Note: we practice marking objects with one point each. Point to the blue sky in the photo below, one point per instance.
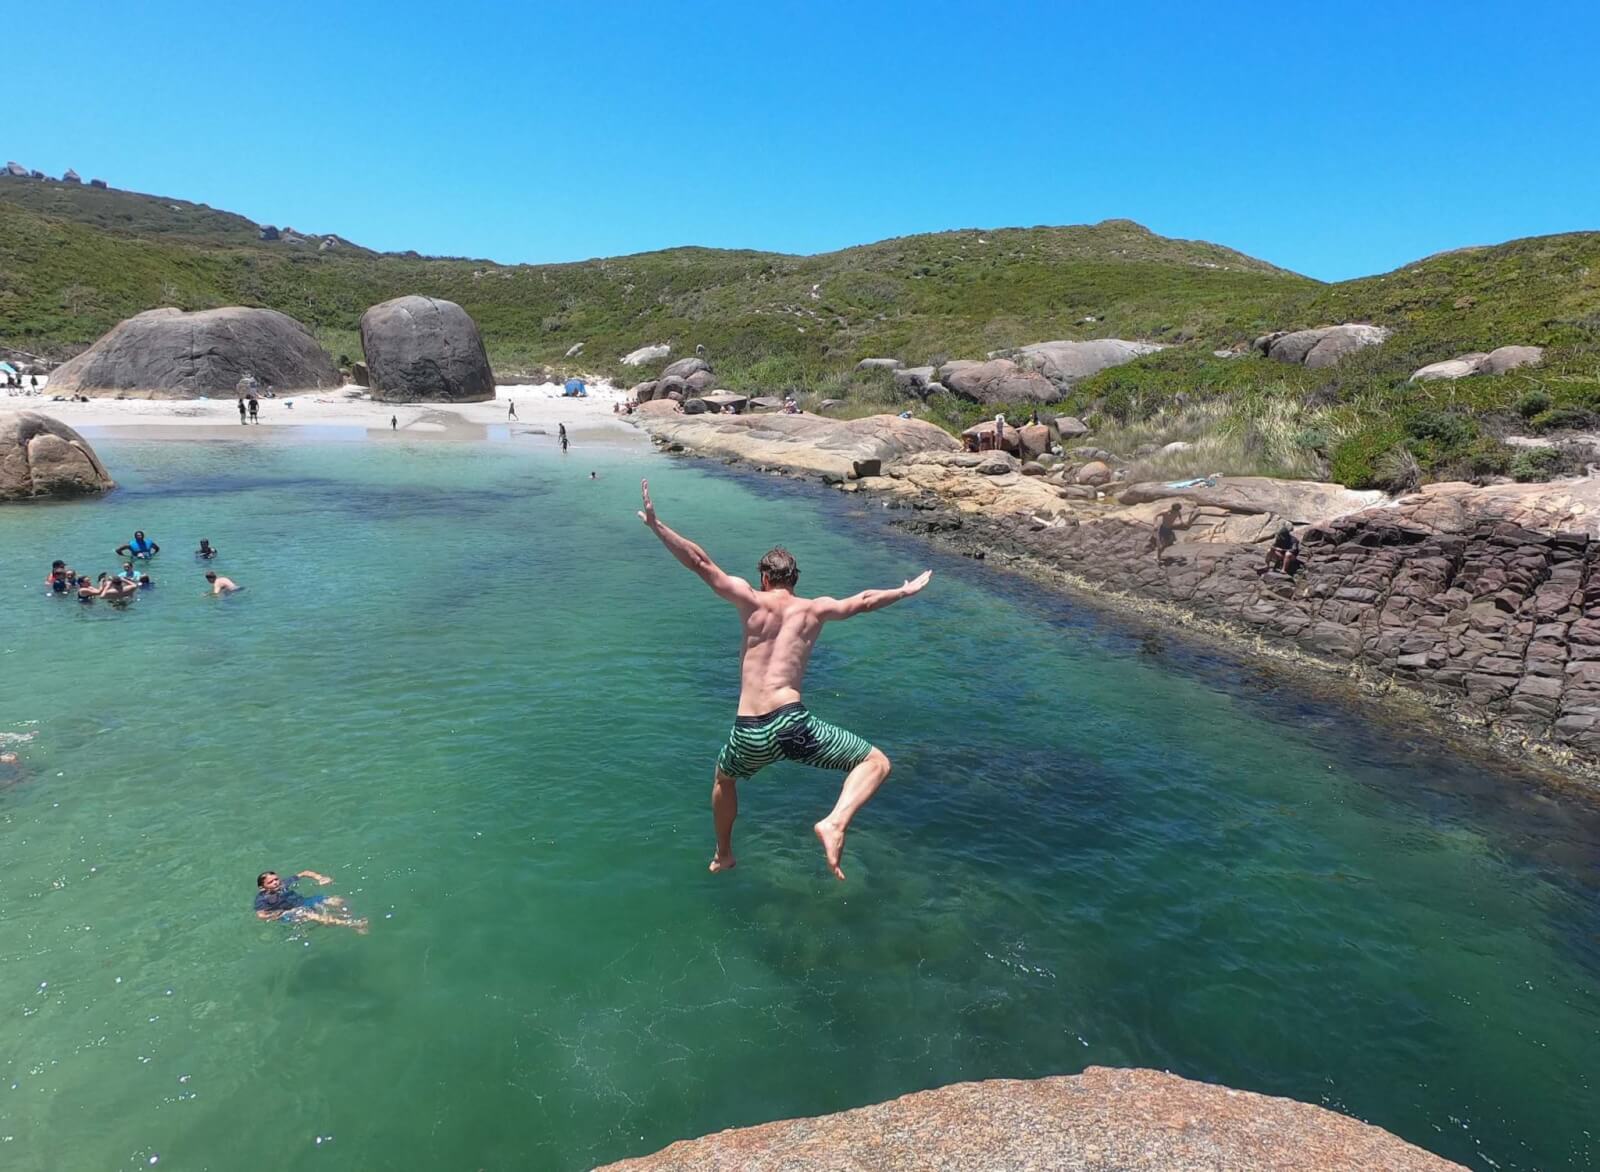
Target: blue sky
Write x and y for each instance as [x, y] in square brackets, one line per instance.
[1337, 141]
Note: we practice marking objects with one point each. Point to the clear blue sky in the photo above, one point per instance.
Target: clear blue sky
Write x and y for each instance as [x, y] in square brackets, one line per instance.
[1335, 140]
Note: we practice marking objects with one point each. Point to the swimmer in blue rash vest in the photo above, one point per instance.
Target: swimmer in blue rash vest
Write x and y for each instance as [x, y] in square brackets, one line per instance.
[140, 547]
[276, 899]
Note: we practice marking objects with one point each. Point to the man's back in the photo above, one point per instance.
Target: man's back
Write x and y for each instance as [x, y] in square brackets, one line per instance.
[779, 632]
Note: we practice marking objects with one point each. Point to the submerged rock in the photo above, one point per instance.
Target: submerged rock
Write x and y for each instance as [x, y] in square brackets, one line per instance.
[1102, 1120]
[43, 458]
[421, 348]
[167, 353]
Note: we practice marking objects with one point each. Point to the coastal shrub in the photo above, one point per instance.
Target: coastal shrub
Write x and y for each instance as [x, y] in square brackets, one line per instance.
[1355, 458]
[1536, 464]
[1559, 418]
[1535, 402]
[1397, 471]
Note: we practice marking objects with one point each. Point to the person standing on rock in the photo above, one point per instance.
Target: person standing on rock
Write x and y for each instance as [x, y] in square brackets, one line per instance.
[1000, 432]
[780, 630]
[394, 423]
[1166, 530]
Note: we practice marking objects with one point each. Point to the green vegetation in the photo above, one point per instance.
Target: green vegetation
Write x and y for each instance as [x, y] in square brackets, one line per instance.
[76, 260]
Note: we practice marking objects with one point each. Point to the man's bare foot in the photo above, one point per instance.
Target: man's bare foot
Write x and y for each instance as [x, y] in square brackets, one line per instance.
[721, 862]
[832, 839]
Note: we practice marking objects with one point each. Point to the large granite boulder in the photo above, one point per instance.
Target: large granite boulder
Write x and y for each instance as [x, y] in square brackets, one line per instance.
[422, 348]
[1511, 357]
[170, 354]
[646, 354]
[685, 367]
[41, 458]
[1301, 500]
[1494, 362]
[1065, 363]
[998, 380]
[814, 444]
[1322, 347]
[1102, 1120]
[915, 380]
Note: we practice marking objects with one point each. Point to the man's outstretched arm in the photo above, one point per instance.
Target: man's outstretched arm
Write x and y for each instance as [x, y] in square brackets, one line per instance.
[735, 590]
[832, 609]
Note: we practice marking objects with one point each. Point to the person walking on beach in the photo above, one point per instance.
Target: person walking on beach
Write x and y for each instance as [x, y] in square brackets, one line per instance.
[561, 433]
[276, 899]
[511, 410]
[780, 630]
[255, 406]
[394, 423]
[241, 409]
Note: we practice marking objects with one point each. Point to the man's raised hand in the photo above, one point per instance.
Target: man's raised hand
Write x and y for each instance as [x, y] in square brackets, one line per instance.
[648, 513]
[915, 585]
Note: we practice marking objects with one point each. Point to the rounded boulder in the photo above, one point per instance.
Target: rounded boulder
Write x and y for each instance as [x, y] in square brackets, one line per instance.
[42, 458]
[170, 354]
[425, 348]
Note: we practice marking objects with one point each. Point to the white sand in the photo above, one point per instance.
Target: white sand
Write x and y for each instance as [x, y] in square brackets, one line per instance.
[539, 407]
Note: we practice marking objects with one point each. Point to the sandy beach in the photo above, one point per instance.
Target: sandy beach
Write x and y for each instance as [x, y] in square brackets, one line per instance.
[346, 412]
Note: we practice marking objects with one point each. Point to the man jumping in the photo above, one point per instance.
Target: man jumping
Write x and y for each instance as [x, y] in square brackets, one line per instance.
[780, 629]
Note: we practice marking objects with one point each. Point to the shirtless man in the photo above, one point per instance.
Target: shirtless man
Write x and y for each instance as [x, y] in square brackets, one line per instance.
[221, 585]
[780, 629]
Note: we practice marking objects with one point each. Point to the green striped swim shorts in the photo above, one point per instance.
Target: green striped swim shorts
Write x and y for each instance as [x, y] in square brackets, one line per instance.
[792, 732]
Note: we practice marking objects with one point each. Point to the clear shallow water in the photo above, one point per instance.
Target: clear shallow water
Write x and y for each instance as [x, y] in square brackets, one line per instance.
[466, 682]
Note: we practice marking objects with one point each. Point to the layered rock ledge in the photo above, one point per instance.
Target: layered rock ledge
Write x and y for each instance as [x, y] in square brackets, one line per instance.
[1102, 1120]
[833, 449]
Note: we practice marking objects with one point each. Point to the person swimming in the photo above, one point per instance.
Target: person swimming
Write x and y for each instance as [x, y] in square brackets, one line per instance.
[128, 574]
[60, 577]
[206, 550]
[87, 591]
[140, 547]
[220, 584]
[116, 589]
[276, 899]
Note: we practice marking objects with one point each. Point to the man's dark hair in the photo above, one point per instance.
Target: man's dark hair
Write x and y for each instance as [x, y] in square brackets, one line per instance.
[261, 879]
[211, 575]
[778, 567]
[58, 565]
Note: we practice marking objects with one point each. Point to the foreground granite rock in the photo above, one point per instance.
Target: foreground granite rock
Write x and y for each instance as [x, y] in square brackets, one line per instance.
[42, 458]
[169, 354]
[425, 348]
[1102, 1120]
[809, 444]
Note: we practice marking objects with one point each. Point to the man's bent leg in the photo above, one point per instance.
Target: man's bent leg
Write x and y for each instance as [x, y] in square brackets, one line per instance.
[859, 785]
[724, 809]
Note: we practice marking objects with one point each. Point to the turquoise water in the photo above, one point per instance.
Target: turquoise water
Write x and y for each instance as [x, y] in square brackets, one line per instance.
[464, 681]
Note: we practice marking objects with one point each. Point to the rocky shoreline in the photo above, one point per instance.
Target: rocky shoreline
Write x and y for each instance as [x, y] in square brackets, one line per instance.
[1480, 604]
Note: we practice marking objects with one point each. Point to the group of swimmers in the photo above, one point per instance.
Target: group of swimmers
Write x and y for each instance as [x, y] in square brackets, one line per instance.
[122, 587]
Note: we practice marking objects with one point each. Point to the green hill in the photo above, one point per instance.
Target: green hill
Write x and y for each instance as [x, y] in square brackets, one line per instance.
[75, 260]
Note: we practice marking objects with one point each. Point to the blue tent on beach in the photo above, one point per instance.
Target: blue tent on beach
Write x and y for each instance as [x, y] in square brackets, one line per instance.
[7, 368]
[575, 387]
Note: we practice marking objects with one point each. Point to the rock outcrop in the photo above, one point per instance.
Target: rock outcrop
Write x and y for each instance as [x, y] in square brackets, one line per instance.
[42, 458]
[809, 444]
[1494, 362]
[685, 368]
[879, 364]
[1102, 1120]
[423, 348]
[998, 381]
[1299, 501]
[646, 354]
[1066, 363]
[168, 354]
[1322, 347]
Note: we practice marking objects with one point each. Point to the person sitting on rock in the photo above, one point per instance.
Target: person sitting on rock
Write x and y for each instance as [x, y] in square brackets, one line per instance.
[1284, 556]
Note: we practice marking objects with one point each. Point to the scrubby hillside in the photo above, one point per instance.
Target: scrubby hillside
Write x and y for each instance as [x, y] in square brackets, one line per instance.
[76, 260]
